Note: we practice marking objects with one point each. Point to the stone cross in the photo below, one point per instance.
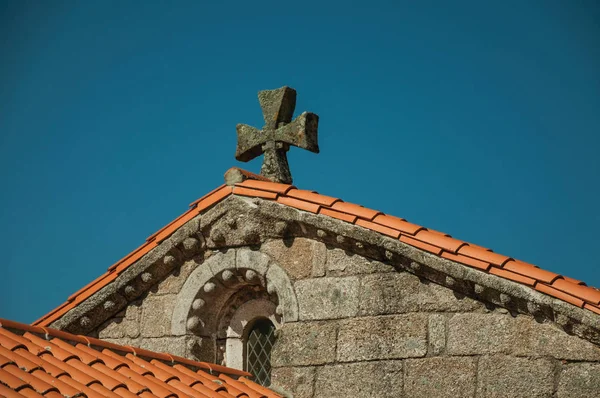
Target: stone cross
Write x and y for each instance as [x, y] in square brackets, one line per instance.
[278, 134]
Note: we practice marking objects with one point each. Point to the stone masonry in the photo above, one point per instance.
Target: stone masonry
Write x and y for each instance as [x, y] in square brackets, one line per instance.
[365, 328]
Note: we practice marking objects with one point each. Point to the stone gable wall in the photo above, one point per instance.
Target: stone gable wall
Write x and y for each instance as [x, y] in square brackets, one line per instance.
[367, 329]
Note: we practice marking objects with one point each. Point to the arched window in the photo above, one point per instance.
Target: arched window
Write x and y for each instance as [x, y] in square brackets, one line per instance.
[258, 345]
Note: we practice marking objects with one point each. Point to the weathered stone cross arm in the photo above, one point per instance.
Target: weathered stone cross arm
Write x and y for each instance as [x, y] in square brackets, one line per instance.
[278, 134]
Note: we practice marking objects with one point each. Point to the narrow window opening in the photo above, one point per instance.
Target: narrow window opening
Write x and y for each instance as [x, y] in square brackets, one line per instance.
[259, 343]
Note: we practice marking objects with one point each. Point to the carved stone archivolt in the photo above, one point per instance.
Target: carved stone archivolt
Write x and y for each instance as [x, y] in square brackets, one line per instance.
[221, 239]
[213, 302]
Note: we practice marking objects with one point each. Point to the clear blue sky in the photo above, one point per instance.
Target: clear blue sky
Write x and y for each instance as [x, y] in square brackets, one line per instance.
[479, 120]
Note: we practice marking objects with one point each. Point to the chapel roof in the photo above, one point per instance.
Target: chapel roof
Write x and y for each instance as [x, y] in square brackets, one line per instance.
[37, 361]
[437, 243]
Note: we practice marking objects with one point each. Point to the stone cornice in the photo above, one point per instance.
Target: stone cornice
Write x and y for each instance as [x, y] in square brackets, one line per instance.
[240, 221]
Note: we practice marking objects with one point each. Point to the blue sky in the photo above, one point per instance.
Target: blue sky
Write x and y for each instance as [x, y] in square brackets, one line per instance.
[474, 119]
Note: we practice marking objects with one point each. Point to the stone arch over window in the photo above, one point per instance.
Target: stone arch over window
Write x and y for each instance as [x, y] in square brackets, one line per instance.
[226, 295]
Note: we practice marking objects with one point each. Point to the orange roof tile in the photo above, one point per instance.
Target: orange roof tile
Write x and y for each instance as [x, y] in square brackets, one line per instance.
[441, 240]
[394, 233]
[57, 364]
[438, 243]
[298, 204]
[421, 245]
[311, 196]
[255, 193]
[512, 276]
[355, 210]
[339, 215]
[398, 223]
[459, 258]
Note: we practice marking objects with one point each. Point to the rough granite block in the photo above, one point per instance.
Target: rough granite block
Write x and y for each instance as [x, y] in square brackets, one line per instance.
[579, 380]
[382, 379]
[502, 376]
[383, 337]
[300, 257]
[156, 315]
[327, 298]
[440, 377]
[304, 343]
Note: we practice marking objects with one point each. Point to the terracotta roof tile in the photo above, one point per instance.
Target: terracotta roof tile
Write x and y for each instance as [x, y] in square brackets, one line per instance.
[171, 228]
[103, 391]
[531, 271]
[199, 376]
[559, 294]
[241, 386]
[148, 380]
[169, 369]
[213, 199]
[30, 393]
[356, 210]
[445, 242]
[312, 197]
[435, 242]
[57, 352]
[64, 388]
[484, 255]
[8, 356]
[182, 389]
[36, 383]
[56, 313]
[12, 381]
[378, 227]
[131, 384]
[338, 214]
[575, 281]
[258, 387]
[421, 245]
[266, 186]
[512, 276]
[77, 375]
[112, 363]
[459, 258]
[91, 284]
[480, 247]
[49, 365]
[210, 393]
[397, 223]
[202, 204]
[195, 202]
[9, 393]
[591, 308]
[298, 204]
[160, 374]
[433, 231]
[585, 293]
[255, 193]
[5, 360]
[11, 342]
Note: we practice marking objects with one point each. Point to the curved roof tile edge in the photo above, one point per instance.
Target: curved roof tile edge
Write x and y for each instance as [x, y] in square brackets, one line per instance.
[38, 361]
[443, 245]
[65, 336]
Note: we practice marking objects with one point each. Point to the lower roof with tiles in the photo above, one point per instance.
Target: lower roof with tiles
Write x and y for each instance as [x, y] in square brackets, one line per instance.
[44, 362]
[440, 244]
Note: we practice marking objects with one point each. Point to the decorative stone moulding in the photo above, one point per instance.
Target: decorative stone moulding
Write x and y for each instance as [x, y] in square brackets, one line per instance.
[128, 284]
[256, 221]
[233, 277]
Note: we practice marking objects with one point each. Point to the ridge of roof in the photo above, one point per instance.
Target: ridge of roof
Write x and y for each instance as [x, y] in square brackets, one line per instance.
[52, 363]
[244, 183]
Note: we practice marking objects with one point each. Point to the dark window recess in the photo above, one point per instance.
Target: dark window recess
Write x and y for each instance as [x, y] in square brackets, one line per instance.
[258, 351]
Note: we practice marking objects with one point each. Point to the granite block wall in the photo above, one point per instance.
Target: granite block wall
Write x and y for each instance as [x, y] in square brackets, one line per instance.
[366, 328]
